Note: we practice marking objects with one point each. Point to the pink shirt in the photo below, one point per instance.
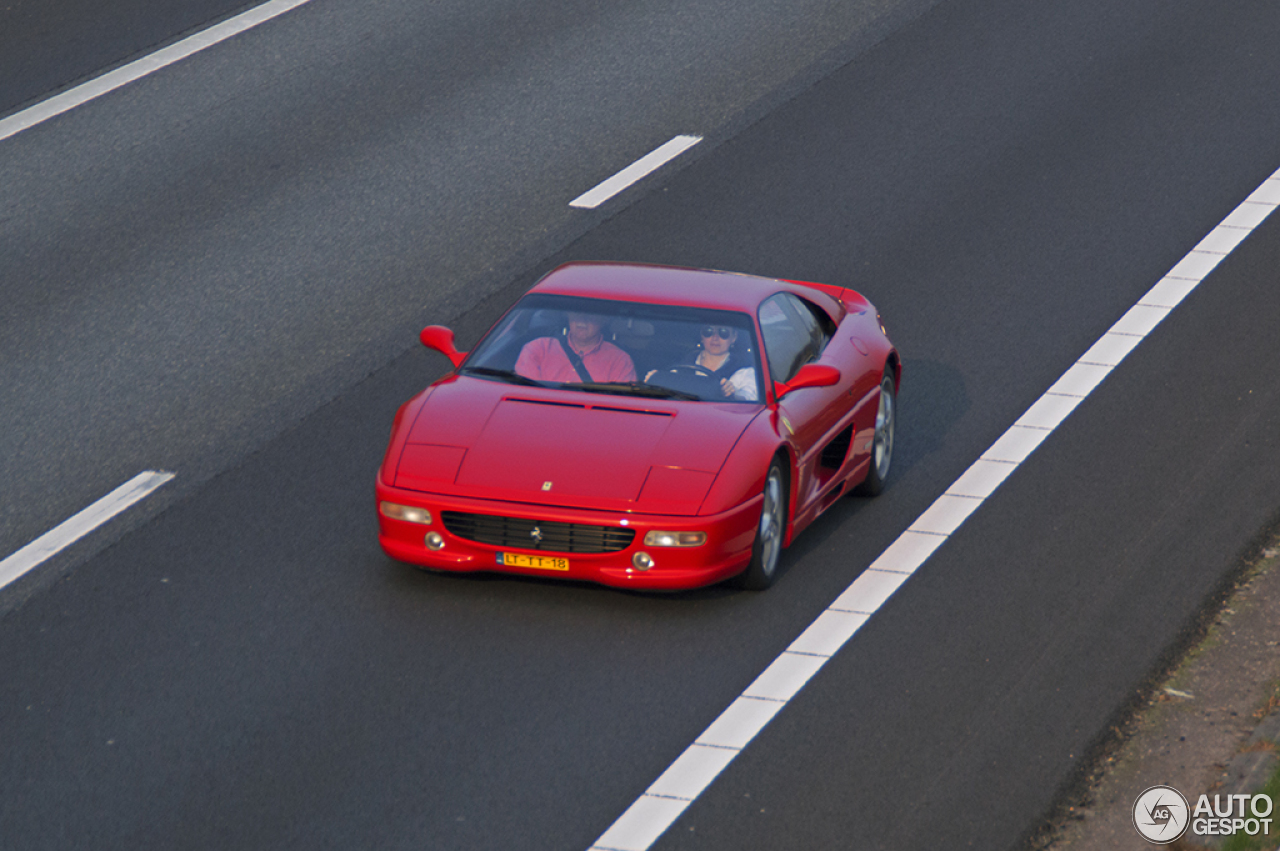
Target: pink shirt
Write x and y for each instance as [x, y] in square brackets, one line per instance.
[543, 359]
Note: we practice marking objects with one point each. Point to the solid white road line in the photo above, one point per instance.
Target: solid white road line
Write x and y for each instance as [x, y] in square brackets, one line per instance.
[650, 162]
[76, 527]
[139, 68]
[690, 775]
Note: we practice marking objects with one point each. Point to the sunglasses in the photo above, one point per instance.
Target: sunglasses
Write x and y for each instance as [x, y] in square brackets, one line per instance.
[721, 331]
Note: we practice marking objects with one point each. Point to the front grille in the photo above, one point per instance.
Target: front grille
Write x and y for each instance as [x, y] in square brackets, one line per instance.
[520, 532]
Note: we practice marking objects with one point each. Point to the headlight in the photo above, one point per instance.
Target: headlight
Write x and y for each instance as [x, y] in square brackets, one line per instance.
[405, 512]
[675, 539]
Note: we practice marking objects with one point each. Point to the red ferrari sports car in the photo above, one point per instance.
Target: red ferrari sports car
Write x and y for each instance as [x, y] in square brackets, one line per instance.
[642, 426]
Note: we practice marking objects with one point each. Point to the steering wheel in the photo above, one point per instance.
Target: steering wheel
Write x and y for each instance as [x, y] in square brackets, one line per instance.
[688, 378]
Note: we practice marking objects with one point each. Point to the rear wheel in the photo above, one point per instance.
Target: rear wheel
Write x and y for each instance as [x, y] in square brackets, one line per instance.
[882, 444]
[770, 531]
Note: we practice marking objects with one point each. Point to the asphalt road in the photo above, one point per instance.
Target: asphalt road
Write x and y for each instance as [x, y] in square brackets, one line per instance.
[243, 668]
[46, 47]
[197, 261]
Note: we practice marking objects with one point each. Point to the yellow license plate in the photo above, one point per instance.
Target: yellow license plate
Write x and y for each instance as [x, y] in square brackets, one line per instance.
[538, 562]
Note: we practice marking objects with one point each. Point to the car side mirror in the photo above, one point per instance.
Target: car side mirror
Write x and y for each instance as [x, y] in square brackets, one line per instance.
[440, 338]
[810, 375]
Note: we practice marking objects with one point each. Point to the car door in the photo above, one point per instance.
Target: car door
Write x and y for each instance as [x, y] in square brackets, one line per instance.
[811, 418]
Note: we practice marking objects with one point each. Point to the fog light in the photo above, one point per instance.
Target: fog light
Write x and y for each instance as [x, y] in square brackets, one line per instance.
[642, 561]
[405, 512]
[675, 539]
[434, 540]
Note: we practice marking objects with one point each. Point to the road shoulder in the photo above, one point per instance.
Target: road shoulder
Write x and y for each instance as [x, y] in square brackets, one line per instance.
[1209, 726]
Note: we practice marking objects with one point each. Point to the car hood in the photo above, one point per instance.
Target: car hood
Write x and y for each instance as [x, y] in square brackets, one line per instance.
[483, 439]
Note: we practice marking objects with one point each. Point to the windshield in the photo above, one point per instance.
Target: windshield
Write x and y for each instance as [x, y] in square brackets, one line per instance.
[622, 347]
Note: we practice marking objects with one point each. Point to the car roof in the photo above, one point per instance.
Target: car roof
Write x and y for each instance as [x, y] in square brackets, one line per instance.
[655, 284]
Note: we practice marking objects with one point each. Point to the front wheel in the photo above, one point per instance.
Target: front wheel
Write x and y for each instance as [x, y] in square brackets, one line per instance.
[769, 533]
[882, 444]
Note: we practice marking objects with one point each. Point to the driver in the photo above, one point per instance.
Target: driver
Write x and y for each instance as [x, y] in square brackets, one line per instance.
[553, 358]
[716, 355]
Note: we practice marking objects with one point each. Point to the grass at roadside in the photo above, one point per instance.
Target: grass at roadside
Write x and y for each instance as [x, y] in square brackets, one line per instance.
[1265, 841]
[1261, 842]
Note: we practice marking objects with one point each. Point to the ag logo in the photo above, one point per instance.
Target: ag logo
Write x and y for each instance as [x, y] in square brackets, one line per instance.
[1161, 814]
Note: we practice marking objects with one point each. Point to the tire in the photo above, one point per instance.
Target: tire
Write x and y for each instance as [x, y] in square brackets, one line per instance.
[882, 444]
[770, 532]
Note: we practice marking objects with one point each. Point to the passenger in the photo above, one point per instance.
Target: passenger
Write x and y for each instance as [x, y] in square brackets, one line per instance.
[549, 358]
[715, 354]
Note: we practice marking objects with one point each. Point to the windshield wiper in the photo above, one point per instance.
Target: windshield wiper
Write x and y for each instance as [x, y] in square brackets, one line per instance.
[636, 388]
[504, 374]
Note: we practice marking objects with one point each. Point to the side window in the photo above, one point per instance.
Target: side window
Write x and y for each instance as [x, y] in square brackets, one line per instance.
[787, 339]
[820, 325]
[795, 333]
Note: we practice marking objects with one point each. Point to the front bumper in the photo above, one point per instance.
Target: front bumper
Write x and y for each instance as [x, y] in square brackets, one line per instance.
[727, 550]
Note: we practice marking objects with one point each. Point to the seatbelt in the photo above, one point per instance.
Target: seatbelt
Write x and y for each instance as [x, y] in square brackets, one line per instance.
[575, 360]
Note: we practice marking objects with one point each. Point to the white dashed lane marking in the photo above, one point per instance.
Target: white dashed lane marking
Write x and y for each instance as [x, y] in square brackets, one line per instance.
[126, 74]
[646, 165]
[76, 527]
